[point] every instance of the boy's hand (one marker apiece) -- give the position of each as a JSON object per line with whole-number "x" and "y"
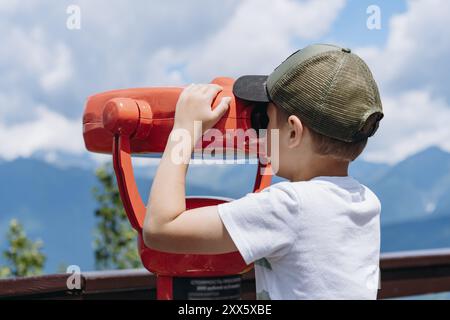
{"x": 194, "y": 104}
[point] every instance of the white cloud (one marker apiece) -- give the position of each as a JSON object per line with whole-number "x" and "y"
{"x": 8, "y": 5}
{"x": 417, "y": 49}
{"x": 118, "y": 45}
{"x": 173, "y": 42}
{"x": 18, "y": 5}
{"x": 412, "y": 72}
{"x": 413, "y": 121}
{"x": 34, "y": 59}
{"x": 12, "y": 101}
{"x": 259, "y": 35}
{"x": 161, "y": 68}
{"x": 59, "y": 71}
{"x": 48, "y": 71}
{"x": 48, "y": 131}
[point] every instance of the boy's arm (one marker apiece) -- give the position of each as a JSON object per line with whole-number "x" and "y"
{"x": 168, "y": 226}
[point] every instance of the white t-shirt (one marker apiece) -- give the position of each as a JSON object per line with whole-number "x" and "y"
{"x": 317, "y": 239}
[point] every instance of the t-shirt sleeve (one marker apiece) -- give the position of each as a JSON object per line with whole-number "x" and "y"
{"x": 264, "y": 224}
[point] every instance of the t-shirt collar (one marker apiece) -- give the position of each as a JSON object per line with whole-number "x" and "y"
{"x": 339, "y": 180}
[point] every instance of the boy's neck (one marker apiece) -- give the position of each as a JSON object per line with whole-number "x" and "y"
{"x": 320, "y": 166}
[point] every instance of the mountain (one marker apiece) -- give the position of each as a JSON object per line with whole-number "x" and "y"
{"x": 415, "y": 200}
{"x": 415, "y": 188}
{"x": 367, "y": 172}
{"x": 431, "y": 232}
{"x": 56, "y": 204}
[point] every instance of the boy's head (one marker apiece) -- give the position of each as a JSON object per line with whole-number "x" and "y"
{"x": 324, "y": 101}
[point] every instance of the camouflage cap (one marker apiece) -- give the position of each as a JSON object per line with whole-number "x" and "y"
{"x": 329, "y": 88}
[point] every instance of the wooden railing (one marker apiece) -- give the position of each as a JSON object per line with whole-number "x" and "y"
{"x": 402, "y": 274}
{"x": 414, "y": 273}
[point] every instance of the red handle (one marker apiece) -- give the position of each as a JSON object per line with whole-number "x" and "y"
{"x": 131, "y": 199}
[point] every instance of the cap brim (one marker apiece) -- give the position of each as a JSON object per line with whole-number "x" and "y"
{"x": 251, "y": 88}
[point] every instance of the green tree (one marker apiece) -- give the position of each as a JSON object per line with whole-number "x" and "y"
{"x": 23, "y": 256}
{"x": 115, "y": 243}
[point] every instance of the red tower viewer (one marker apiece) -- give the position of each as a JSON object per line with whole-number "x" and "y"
{"x": 138, "y": 121}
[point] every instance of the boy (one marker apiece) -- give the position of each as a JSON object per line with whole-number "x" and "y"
{"x": 314, "y": 237}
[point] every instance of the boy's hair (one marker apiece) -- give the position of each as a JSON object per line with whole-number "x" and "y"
{"x": 327, "y": 146}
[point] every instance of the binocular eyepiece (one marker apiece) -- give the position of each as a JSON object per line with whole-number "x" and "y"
{"x": 259, "y": 118}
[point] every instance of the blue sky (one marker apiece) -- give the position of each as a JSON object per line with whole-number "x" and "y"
{"x": 48, "y": 70}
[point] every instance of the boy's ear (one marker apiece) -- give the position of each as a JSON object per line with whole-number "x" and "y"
{"x": 295, "y": 131}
